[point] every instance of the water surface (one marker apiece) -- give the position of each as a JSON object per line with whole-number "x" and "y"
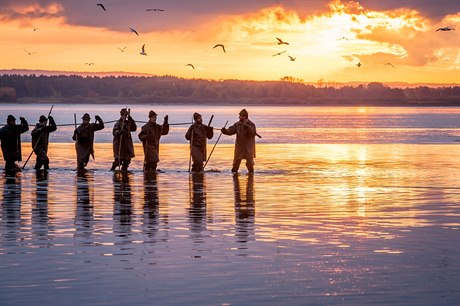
{"x": 317, "y": 224}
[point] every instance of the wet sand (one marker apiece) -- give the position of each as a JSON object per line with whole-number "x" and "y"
{"x": 316, "y": 224}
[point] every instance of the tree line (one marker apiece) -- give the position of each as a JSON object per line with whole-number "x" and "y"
{"x": 174, "y": 90}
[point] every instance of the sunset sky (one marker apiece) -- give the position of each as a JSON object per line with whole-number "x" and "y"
{"x": 327, "y": 38}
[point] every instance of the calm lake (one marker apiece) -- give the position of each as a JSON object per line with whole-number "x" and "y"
{"x": 348, "y": 206}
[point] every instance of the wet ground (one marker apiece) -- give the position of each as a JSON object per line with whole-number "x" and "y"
{"x": 315, "y": 225}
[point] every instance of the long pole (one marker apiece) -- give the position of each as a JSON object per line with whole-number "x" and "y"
{"x": 38, "y": 140}
{"x": 209, "y": 157}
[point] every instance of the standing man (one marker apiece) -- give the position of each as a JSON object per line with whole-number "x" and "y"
{"x": 123, "y": 148}
{"x": 245, "y": 144}
{"x": 197, "y": 134}
{"x": 10, "y": 136}
{"x": 40, "y": 140}
{"x": 84, "y": 139}
{"x": 150, "y": 136}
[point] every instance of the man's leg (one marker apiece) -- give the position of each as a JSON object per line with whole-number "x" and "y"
{"x": 236, "y": 165}
{"x": 250, "y": 164}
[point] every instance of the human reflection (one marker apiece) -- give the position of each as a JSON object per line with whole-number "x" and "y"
{"x": 11, "y": 207}
{"x": 151, "y": 204}
{"x": 197, "y": 209}
{"x": 84, "y": 214}
{"x": 244, "y": 209}
{"x": 40, "y": 219}
{"x": 122, "y": 210}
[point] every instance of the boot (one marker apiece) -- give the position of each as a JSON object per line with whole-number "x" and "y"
{"x": 114, "y": 166}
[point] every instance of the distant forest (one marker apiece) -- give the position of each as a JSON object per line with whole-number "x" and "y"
{"x": 174, "y": 90}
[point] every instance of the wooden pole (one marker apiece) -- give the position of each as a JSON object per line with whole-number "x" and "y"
{"x": 209, "y": 157}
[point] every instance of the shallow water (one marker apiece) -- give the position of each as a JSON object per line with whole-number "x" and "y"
{"x": 325, "y": 125}
{"x": 317, "y": 224}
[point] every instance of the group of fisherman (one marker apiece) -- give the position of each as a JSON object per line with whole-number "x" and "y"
{"x": 123, "y": 148}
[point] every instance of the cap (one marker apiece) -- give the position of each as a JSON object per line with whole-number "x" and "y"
{"x": 10, "y": 118}
{"x": 152, "y": 114}
{"x": 196, "y": 116}
{"x": 42, "y": 118}
{"x": 123, "y": 111}
{"x": 86, "y": 116}
{"x": 244, "y": 112}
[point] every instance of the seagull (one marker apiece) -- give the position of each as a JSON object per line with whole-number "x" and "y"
{"x": 134, "y": 31}
{"x": 122, "y": 50}
{"x": 89, "y": 64}
{"x": 155, "y": 10}
{"x": 279, "y": 53}
{"x": 101, "y": 5}
{"x": 445, "y": 29}
{"x": 219, "y": 45}
{"x": 292, "y": 59}
{"x": 190, "y": 66}
{"x": 343, "y": 38}
{"x": 143, "y": 50}
{"x": 30, "y": 53}
{"x": 389, "y": 64}
{"x": 35, "y": 29}
{"x": 359, "y": 64}
{"x": 281, "y": 42}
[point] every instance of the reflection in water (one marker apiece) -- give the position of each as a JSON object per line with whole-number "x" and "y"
{"x": 197, "y": 210}
{"x": 244, "y": 209}
{"x": 151, "y": 204}
{"x": 84, "y": 213}
{"x": 40, "y": 219}
{"x": 11, "y": 207}
{"x": 122, "y": 211}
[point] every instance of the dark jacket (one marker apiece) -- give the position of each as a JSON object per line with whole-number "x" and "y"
{"x": 245, "y": 144}
{"x": 150, "y": 136}
{"x": 198, "y": 135}
{"x": 123, "y": 147}
{"x": 84, "y": 139}
{"x": 10, "y": 136}
{"x": 40, "y": 135}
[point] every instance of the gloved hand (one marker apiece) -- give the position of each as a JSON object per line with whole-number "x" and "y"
{"x": 22, "y": 119}
{"x": 98, "y": 118}
{"x": 222, "y": 130}
{"x": 51, "y": 120}
{"x": 166, "y": 119}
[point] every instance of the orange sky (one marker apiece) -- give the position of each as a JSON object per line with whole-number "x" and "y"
{"x": 327, "y": 44}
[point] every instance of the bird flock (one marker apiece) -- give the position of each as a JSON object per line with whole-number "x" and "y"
{"x": 279, "y": 41}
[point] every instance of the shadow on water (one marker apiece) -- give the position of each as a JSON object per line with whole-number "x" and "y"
{"x": 122, "y": 210}
{"x": 84, "y": 213}
{"x": 197, "y": 209}
{"x": 11, "y": 206}
{"x": 151, "y": 205}
{"x": 244, "y": 209}
{"x": 40, "y": 218}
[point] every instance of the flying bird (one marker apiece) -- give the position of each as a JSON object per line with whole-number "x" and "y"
{"x": 389, "y": 64}
{"x": 101, "y": 5}
{"x": 292, "y": 59}
{"x": 89, "y": 64}
{"x": 445, "y": 29}
{"x": 281, "y": 42}
{"x": 122, "y": 50}
{"x": 219, "y": 45}
{"x": 134, "y": 31}
{"x": 155, "y": 10}
{"x": 143, "y": 50}
{"x": 30, "y": 53}
{"x": 279, "y": 53}
{"x": 343, "y": 38}
{"x": 359, "y": 64}
{"x": 35, "y": 29}
{"x": 190, "y": 66}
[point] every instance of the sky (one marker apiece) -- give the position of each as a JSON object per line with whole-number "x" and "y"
{"x": 338, "y": 40}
